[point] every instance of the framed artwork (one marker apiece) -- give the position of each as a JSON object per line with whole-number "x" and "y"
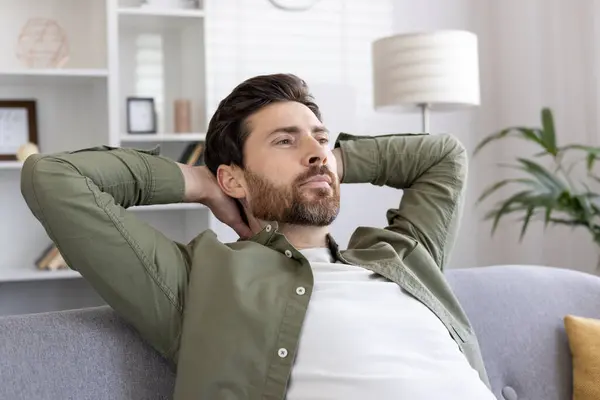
{"x": 18, "y": 126}
{"x": 141, "y": 115}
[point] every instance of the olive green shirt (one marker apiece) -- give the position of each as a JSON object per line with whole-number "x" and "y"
{"x": 228, "y": 315}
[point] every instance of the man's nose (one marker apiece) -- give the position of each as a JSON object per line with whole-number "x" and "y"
{"x": 316, "y": 153}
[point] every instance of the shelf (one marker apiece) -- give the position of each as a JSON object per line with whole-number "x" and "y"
{"x": 169, "y": 207}
{"x": 16, "y": 165}
{"x": 158, "y": 18}
{"x": 164, "y": 137}
{"x": 50, "y": 76}
{"x": 23, "y": 274}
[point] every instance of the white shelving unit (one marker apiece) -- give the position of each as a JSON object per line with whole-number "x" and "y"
{"x": 156, "y": 18}
{"x": 164, "y": 137}
{"x": 20, "y": 274}
{"x": 50, "y": 76}
{"x": 8, "y": 165}
{"x": 117, "y": 50}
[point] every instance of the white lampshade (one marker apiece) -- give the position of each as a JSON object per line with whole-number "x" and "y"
{"x": 439, "y": 69}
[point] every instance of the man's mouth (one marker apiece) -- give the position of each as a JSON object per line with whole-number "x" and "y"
{"x": 318, "y": 181}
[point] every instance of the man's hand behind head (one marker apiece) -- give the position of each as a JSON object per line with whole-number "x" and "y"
{"x": 201, "y": 187}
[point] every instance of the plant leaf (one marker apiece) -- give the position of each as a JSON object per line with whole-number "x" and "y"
{"x": 548, "y": 132}
{"x": 526, "y": 222}
{"x": 547, "y": 216}
{"x": 583, "y": 207}
{"x": 571, "y": 166}
{"x": 589, "y": 161}
{"x": 496, "y": 186}
{"x": 523, "y": 201}
{"x": 593, "y": 153}
{"x": 544, "y": 176}
{"x": 594, "y": 177}
{"x": 505, "y": 207}
{"x": 531, "y": 134}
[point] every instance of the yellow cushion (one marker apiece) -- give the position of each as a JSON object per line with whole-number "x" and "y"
{"x": 584, "y": 341}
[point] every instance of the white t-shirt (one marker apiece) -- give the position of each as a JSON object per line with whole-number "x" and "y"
{"x": 365, "y": 338}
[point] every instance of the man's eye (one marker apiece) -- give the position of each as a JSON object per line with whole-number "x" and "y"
{"x": 284, "y": 141}
{"x": 324, "y": 140}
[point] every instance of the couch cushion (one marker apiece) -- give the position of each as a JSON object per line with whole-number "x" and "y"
{"x": 86, "y": 354}
{"x": 584, "y": 341}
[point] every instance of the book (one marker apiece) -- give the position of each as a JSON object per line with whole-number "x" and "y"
{"x": 193, "y": 154}
{"x": 50, "y": 259}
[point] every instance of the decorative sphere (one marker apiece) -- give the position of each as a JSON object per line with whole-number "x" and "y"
{"x": 26, "y": 150}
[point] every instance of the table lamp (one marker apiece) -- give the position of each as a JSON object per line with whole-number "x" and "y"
{"x": 426, "y": 71}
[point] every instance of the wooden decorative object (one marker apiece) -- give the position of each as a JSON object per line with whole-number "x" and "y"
{"x": 18, "y": 127}
{"x": 183, "y": 116}
{"x": 50, "y": 259}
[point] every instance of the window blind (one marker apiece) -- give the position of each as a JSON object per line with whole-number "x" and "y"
{"x": 149, "y": 71}
{"x": 330, "y": 43}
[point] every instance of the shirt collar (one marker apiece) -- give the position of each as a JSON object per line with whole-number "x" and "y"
{"x": 265, "y": 236}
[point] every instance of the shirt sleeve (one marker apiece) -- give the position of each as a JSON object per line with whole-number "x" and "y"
{"x": 430, "y": 169}
{"x": 81, "y": 198}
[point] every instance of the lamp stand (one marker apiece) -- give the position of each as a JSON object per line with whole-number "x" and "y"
{"x": 425, "y": 108}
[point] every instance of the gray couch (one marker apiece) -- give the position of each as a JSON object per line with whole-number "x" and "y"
{"x": 517, "y": 312}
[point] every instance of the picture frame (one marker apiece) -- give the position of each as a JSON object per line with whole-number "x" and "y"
{"x": 141, "y": 115}
{"x": 18, "y": 126}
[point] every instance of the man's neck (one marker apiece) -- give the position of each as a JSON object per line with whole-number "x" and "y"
{"x": 305, "y": 237}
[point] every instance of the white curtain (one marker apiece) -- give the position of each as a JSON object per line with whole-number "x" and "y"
{"x": 536, "y": 53}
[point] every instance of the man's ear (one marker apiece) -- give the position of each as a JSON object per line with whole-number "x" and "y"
{"x": 230, "y": 179}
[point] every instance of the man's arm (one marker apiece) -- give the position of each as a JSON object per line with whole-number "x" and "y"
{"x": 431, "y": 170}
{"x": 79, "y": 197}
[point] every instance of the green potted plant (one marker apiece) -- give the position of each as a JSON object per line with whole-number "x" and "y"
{"x": 546, "y": 187}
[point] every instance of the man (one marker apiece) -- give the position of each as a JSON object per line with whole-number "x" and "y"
{"x": 282, "y": 312}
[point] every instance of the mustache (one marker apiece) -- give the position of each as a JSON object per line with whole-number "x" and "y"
{"x": 316, "y": 171}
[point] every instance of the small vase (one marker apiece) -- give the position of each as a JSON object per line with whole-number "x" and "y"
{"x": 183, "y": 116}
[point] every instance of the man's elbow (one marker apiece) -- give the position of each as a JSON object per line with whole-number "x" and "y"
{"x": 29, "y": 177}
{"x": 457, "y": 157}
{"x": 454, "y": 146}
{"x": 40, "y": 177}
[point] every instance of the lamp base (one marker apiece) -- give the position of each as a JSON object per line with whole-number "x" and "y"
{"x": 425, "y": 109}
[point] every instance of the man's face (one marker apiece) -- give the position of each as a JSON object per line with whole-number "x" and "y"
{"x": 290, "y": 172}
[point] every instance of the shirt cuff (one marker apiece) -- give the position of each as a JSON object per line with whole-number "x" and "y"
{"x": 167, "y": 182}
{"x": 360, "y": 158}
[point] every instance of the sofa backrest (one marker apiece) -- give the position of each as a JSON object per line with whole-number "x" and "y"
{"x": 517, "y": 312}
{"x": 83, "y": 354}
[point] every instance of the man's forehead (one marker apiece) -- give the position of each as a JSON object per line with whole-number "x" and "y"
{"x": 285, "y": 117}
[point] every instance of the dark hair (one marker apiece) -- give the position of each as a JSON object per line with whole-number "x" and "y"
{"x": 227, "y": 130}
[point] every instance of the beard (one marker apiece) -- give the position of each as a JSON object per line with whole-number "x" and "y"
{"x": 294, "y": 204}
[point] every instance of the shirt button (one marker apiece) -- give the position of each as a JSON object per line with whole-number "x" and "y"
{"x": 282, "y": 353}
{"x": 300, "y": 290}
{"x": 268, "y": 228}
{"x": 288, "y": 254}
